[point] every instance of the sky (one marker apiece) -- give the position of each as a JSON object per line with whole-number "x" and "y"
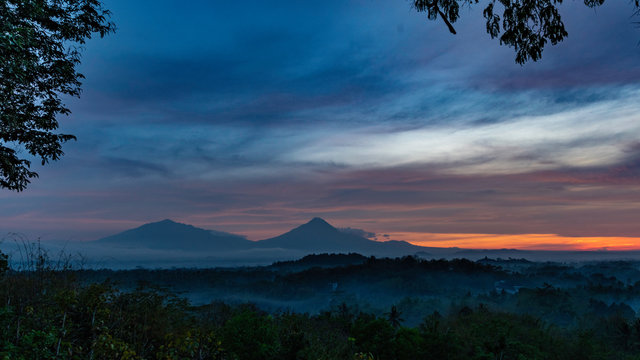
{"x": 253, "y": 117}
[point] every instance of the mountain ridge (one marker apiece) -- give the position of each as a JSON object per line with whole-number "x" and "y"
{"x": 170, "y": 235}
{"x": 314, "y": 236}
{"x": 319, "y": 236}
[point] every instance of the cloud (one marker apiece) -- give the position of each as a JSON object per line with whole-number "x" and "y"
{"x": 574, "y": 136}
{"x": 358, "y": 232}
{"x": 255, "y": 121}
{"x": 134, "y": 168}
{"x": 549, "y": 242}
{"x": 598, "y": 201}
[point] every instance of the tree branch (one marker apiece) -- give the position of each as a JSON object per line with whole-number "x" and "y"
{"x": 434, "y": 5}
{"x": 446, "y": 21}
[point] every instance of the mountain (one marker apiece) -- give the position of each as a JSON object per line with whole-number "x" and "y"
{"x": 170, "y": 235}
{"x": 318, "y": 236}
{"x": 177, "y": 244}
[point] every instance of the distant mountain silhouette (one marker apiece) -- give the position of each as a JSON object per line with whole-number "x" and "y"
{"x": 167, "y": 234}
{"x": 318, "y": 236}
{"x": 181, "y": 243}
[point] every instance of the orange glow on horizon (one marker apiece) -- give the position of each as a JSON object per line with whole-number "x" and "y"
{"x": 519, "y": 241}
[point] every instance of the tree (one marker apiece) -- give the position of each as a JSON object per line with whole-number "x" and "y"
{"x": 39, "y": 52}
{"x": 394, "y": 317}
{"x": 525, "y": 25}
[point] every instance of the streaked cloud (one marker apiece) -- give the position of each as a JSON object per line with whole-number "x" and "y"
{"x": 520, "y": 241}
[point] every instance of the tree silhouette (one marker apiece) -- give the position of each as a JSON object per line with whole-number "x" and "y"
{"x": 39, "y": 53}
{"x": 394, "y": 317}
{"x": 525, "y": 25}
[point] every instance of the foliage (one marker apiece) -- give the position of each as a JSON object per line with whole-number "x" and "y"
{"x": 525, "y": 25}
{"x": 48, "y": 312}
{"x": 39, "y": 53}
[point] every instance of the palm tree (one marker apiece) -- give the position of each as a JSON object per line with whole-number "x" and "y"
{"x": 394, "y": 317}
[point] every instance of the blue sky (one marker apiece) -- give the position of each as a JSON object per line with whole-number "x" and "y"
{"x": 253, "y": 117}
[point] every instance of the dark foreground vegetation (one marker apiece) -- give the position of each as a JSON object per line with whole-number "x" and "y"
{"x": 49, "y": 311}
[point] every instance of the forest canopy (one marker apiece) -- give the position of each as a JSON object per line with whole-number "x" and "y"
{"x": 39, "y": 55}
